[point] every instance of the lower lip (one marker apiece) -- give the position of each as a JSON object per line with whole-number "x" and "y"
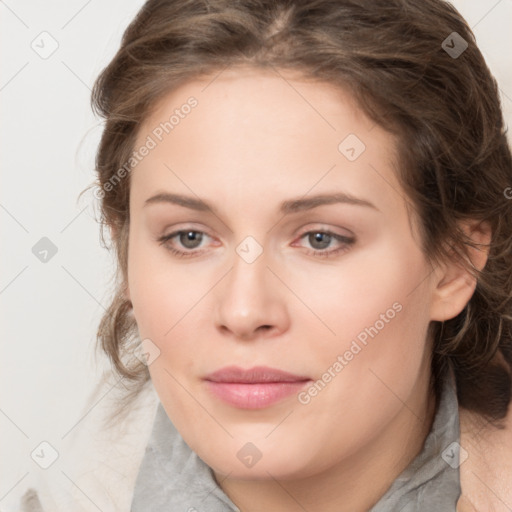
{"x": 254, "y": 396}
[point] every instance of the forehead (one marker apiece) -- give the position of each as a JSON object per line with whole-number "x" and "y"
{"x": 252, "y": 100}
{"x": 258, "y": 132}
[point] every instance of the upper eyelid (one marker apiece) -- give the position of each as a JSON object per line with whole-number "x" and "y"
{"x": 302, "y": 233}
{"x": 322, "y": 228}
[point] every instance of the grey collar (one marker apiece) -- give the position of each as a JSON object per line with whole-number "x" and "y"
{"x": 173, "y": 478}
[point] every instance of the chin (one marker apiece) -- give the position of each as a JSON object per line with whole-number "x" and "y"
{"x": 247, "y": 464}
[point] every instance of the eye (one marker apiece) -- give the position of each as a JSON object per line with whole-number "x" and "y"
{"x": 189, "y": 238}
{"x": 322, "y": 239}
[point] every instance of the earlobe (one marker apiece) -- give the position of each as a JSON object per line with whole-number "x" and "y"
{"x": 455, "y": 285}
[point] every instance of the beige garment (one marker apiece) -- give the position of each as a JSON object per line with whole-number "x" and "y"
{"x": 97, "y": 467}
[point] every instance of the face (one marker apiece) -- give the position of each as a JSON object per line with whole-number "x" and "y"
{"x": 304, "y": 260}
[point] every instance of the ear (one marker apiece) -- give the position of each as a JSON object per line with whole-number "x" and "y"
{"x": 455, "y": 285}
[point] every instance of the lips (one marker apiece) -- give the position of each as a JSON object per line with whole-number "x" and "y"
{"x": 254, "y": 388}
{"x": 258, "y": 374}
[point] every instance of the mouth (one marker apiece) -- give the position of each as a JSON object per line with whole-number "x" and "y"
{"x": 254, "y": 388}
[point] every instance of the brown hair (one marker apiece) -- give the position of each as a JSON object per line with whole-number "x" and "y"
{"x": 393, "y": 56}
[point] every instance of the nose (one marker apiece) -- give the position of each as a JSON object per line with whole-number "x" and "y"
{"x": 251, "y": 301}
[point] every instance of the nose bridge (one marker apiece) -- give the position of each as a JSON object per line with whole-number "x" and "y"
{"x": 249, "y": 298}
{"x": 248, "y": 280}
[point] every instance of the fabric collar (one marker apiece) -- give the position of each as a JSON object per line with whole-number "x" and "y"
{"x": 173, "y": 477}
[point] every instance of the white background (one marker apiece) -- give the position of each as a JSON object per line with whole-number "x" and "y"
{"x": 50, "y": 311}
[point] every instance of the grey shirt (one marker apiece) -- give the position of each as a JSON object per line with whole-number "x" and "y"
{"x": 172, "y": 478}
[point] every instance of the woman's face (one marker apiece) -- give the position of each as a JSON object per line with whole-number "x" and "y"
{"x": 279, "y": 271}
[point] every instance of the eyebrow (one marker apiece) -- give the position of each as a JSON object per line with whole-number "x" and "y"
{"x": 286, "y": 207}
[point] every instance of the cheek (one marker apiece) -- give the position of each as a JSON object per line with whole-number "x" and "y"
{"x": 161, "y": 291}
{"x": 378, "y": 288}
{"x": 378, "y": 312}
{"x": 375, "y": 316}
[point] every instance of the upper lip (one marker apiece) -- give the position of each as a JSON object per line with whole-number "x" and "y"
{"x": 256, "y": 374}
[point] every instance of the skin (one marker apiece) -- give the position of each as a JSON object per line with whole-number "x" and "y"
{"x": 255, "y": 139}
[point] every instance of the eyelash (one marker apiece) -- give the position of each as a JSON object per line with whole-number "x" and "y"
{"x": 346, "y": 241}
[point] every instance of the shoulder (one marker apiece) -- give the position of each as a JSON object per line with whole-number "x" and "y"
{"x": 486, "y": 468}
